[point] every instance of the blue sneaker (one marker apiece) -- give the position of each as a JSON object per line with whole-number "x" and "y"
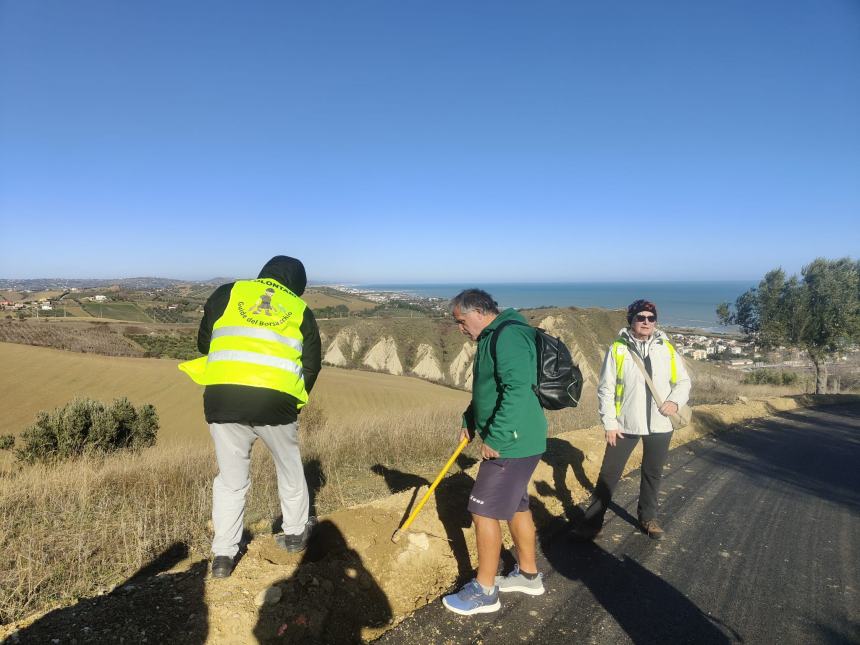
{"x": 471, "y": 599}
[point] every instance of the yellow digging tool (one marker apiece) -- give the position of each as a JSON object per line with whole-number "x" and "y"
{"x": 396, "y": 537}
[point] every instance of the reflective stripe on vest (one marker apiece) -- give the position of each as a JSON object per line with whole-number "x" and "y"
{"x": 257, "y": 341}
{"x": 617, "y": 346}
{"x": 620, "y": 344}
{"x": 264, "y": 334}
{"x": 257, "y": 359}
{"x": 673, "y": 367}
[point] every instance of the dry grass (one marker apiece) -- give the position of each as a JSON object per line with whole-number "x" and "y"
{"x": 92, "y": 338}
{"x": 39, "y": 378}
{"x": 715, "y": 384}
{"x": 61, "y": 541}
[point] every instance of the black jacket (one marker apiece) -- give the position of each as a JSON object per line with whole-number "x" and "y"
{"x": 258, "y": 405}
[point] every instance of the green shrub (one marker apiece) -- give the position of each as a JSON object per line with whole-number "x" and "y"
{"x": 87, "y": 426}
{"x": 7, "y": 441}
{"x": 181, "y": 346}
{"x": 770, "y": 377}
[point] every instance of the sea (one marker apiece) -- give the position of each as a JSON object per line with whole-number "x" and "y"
{"x": 679, "y": 304}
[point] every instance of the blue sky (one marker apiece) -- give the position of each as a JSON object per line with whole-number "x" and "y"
{"x": 410, "y": 141}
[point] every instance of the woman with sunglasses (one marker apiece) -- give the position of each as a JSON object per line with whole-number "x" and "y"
{"x": 628, "y": 411}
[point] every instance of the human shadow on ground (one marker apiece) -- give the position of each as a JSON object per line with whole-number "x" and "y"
{"x": 315, "y": 477}
{"x": 815, "y": 455}
{"x": 399, "y": 481}
{"x": 329, "y": 599}
{"x": 560, "y": 456}
{"x": 452, "y": 500}
{"x": 646, "y": 607}
{"x": 451, "y": 497}
{"x": 151, "y": 606}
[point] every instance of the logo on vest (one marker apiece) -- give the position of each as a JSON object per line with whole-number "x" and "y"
{"x": 265, "y": 307}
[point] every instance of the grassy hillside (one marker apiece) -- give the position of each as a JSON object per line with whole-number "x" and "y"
{"x": 322, "y": 297}
{"x": 91, "y": 337}
{"x": 38, "y": 378}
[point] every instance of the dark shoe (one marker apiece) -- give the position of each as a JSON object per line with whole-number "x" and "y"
{"x": 297, "y": 543}
{"x": 222, "y": 566}
{"x": 584, "y": 533}
{"x": 651, "y": 529}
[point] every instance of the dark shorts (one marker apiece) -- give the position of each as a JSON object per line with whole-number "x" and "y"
{"x": 501, "y": 488}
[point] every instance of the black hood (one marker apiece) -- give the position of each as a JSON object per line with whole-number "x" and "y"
{"x": 290, "y": 272}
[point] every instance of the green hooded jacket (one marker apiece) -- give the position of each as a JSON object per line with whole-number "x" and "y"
{"x": 504, "y": 410}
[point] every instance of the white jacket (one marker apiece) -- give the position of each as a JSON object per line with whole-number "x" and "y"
{"x": 632, "y": 418}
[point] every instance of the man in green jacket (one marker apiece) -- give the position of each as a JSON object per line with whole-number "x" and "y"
{"x": 507, "y": 415}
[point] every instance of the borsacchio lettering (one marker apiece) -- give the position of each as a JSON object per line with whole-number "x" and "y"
{"x": 262, "y": 323}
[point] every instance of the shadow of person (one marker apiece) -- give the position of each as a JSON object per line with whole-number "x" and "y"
{"x": 329, "y": 599}
{"x": 315, "y": 477}
{"x": 128, "y": 612}
{"x": 451, "y": 497}
{"x": 560, "y": 456}
{"x": 645, "y": 606}
{"x": 398, "y": 481}
{"x": 452, "y": 500}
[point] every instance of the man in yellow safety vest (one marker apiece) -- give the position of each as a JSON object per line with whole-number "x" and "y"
{"x": 259, "y": 364}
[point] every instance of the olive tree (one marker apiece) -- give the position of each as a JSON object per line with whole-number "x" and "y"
{"x": 819, "y": 312}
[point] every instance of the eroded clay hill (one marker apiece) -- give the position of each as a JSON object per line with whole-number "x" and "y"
{"x": 434, "y": 349}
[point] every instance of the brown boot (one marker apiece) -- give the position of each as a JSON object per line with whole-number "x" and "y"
{"x": 652, "y": 529}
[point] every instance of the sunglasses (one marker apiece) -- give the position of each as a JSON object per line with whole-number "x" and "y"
{"x": 641, "y": 318}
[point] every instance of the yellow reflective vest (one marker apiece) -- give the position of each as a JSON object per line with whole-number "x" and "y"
{"x": 620, "y": 349}
{"x": 623, "y": 394}
{"x": 257, "y": 341}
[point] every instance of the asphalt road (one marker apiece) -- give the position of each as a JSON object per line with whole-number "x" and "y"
{"x": 762, "y": 546}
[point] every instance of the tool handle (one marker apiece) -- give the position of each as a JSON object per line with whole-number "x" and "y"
{"x": 433, "y": 486}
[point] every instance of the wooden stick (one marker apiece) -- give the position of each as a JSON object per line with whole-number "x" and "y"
{"x": 396, "y": 537}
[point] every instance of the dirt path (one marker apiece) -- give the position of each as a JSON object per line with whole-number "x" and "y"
{"x": 353, "y": 583}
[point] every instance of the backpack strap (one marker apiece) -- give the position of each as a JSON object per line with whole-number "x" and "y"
{"x": 494, "y": 339}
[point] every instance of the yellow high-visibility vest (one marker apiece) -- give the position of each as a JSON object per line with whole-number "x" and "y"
{"x": 620, "y": 349}
{"x": 257, "y": 341}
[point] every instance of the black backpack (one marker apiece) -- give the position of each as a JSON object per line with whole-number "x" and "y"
{"x": 559, "y": 380}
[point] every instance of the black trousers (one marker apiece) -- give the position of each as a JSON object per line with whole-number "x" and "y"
{"x": 655, "y": 450}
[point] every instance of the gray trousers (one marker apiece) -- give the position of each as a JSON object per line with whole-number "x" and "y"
{"x": 233, "y": 443}
{"x": 655, "y": 450}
